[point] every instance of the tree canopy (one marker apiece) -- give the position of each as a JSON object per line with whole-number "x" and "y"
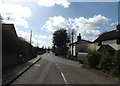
{"x": 60, "y": 40}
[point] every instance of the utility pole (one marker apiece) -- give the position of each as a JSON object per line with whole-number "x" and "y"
{"x": 31, "y": 37}
{"x": 72, "y": 43}
{"x": 118, "y": 12}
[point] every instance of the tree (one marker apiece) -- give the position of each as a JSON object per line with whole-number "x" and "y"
{"x": 1, "y": 19}
{"x": 60, "y": 41}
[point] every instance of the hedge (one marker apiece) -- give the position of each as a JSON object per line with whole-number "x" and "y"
{"x": 106, "y": 63}
{"x": 92, "y": 59}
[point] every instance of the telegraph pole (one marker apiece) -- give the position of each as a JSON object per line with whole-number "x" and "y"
{"x": 119, "y": 12}
{"x": 31, "y": 37}
{"x": 72, "y": 43}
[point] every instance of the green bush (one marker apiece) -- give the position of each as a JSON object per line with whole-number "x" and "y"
{"x": 106, "y": 63}
{"x": 114, "y": 71}
{"x": 116, "y": 64}
{"x": 92, "y": 59}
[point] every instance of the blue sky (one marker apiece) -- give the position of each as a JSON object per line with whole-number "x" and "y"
{"x": 88, "y": 18}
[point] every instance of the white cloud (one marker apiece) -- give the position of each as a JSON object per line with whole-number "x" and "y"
{"x": 49, "y": 3}
{"x": 40, "y": 43}
{"x": 32, "y": 1}
{"x": 88, "y": 27}
{"x": 17, "y": 14}
{"x": 54, "y": 23}
{"x": 41, "y": 37}
{"x": 93, "y": 0}
{"x": 112, "y": 24}
{"x": 36, "y": 39}
{"x": 24, "y": 35}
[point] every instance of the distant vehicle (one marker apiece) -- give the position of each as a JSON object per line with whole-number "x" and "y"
{"x": 81, "y": 57}
{"x": 48, "y": 51}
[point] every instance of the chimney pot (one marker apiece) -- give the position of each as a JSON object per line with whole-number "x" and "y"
{"x": 79, "y": 37}
{"x": 118, "y": 27}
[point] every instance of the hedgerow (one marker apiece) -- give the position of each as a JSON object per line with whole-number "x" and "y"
{"x": 92, "y": 59}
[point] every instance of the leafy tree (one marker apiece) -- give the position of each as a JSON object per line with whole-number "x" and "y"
{"x": 1, "y": 18}
{"x": 60, "y": 41}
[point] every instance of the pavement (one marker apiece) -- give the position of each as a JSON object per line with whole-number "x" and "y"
{"x": 11, "y": 74}
{"x": 52, "y": 69}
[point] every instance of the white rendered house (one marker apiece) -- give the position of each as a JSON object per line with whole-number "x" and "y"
{"x": 108, "y": 42}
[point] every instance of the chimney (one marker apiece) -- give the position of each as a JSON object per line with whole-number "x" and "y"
{"x": 79, "y": 37}
{"x": 118, "y": 27}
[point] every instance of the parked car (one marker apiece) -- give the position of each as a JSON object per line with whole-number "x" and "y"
{"x": 81, "y": 57}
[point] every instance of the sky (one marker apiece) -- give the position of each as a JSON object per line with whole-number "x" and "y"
{"x": 43, "y": 17}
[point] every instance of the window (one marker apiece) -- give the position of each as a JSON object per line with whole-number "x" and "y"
{"x": 99, "y": 43}
{"x": 118, "y": 41}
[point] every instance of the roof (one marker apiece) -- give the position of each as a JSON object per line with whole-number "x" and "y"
{"x": 9, "y": 27}
{"x": 108, "y": 36}
{"x": 107, "y": 47}
{"x": 81, "y": 42}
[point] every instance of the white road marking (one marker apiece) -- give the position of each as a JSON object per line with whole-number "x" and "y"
{"x": 61, "y": 73}
{"x": 64, "y": 78}
{"x": 38, "y": 65}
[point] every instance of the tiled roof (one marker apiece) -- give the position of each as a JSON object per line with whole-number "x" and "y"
{"x": 81, "y": 42}
{"x": 108, "y": 36}
{"x": 9, "y": 27}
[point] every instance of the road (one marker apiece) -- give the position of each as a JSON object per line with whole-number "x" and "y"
{"x": 56, "y": 70}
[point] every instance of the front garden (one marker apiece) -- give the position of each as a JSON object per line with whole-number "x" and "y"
{"x": 106, "y": 63}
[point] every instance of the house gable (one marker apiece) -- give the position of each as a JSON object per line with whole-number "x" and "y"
{"x": 111, "y": 38}
{"x": 106, "y": 49}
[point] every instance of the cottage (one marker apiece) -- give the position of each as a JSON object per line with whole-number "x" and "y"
{"x": 108, "y": 42}
{"x": 80, "y": 46}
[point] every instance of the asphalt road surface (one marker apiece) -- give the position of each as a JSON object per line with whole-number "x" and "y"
{"x": 52, "y": 69}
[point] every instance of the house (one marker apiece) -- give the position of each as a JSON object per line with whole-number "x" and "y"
{"x": 108, "y": 42}
{"x": 9, "y": 36}
{"x": 80, "y": 46}
{"x": 9, "y": 28}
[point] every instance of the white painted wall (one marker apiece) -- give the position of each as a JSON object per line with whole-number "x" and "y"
{"x": 74, "y": 50}
{"x": 96, "y": 46}
{"x": 71, "y": 49}
{"x": 112, "y": 43}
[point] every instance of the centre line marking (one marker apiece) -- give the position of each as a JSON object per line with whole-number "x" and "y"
{"x": 64, "y": 78}
{"x": 61, "y": 74}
